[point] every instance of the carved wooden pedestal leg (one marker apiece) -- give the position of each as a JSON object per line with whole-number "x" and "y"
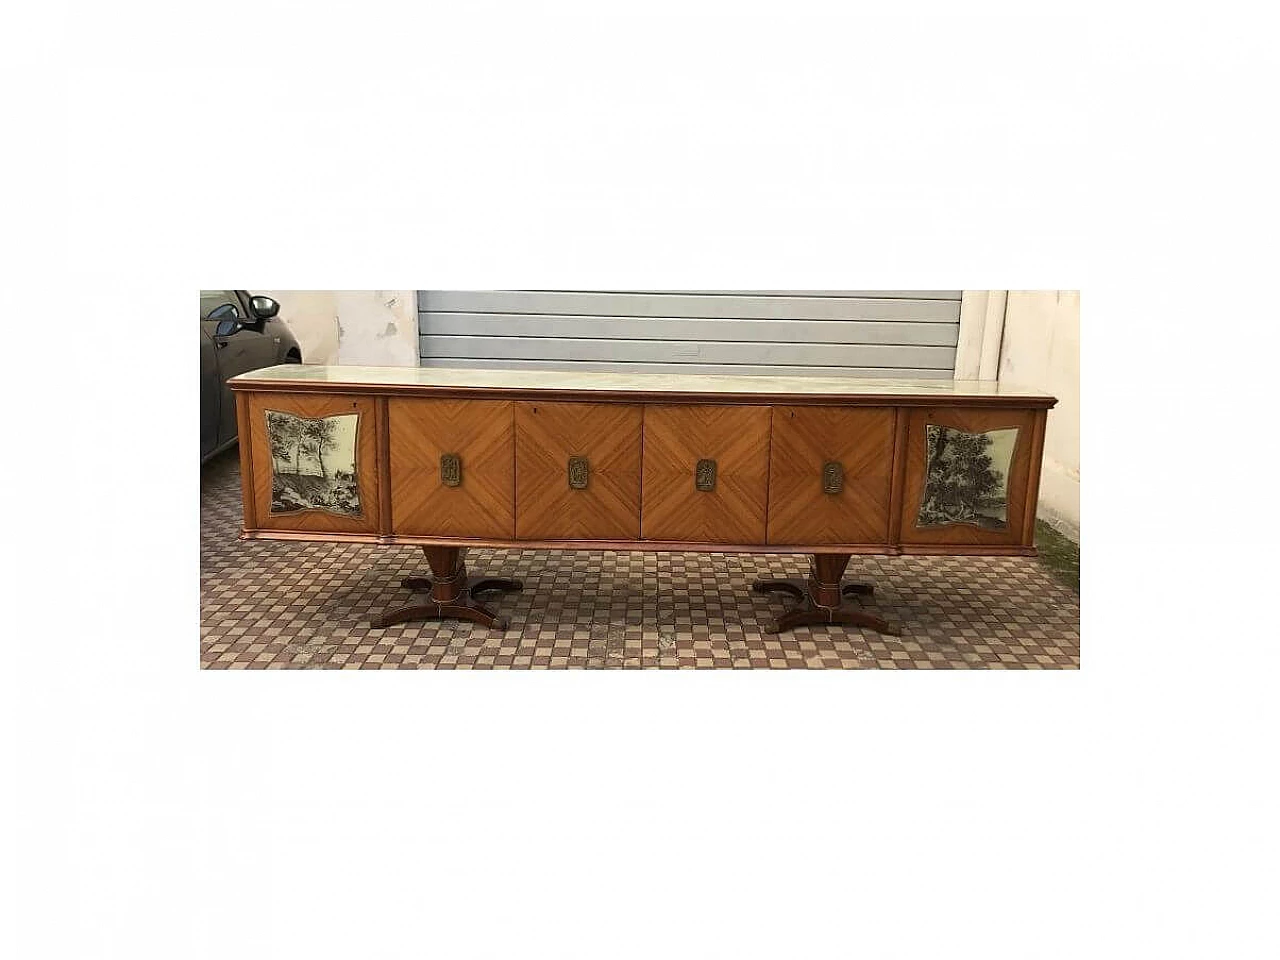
{"x": 450, "y": 592}
{"x": 822, "y": 597}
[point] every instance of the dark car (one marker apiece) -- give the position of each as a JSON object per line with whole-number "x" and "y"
{"x": 238, "y": 333}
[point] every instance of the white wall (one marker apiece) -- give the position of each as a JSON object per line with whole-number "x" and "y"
{"x": 1040, "y": 347}
{"x": 373, "y": 327}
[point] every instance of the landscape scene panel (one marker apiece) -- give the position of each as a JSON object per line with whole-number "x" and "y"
{"x": 967, "y": 477}
{"x": 313, "y": 463}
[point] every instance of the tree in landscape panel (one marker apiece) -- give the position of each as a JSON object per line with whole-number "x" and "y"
{"x": 320, "y": 439}
{"x": 308, "y": 448}
{"x": 962, "y": 482}
{"x": 297, "y": 443}
{"x": 284, "y": 432}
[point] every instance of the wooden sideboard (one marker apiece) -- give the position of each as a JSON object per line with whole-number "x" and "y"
{"x": 447, "y": 459}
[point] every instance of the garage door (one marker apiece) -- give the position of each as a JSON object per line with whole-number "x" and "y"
{"x": 863, "y": 333}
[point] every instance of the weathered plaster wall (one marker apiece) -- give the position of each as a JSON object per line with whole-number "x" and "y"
{"x": 1040, "y": 348}
{"x": 375, "y": 327}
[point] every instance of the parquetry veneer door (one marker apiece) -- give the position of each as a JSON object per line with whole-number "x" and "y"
{"x": 830, "y": 475}
{"x": 706, "y": 473}
{"x": 577, "y": 471}
{"x": 452, "y": 467}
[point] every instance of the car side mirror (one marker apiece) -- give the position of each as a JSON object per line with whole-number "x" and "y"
{"x": 264, "y": 308}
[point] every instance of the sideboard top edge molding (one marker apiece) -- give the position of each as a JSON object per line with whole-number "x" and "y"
{"x": 586, "y": 385}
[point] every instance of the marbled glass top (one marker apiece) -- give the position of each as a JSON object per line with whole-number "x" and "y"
{"x": 649, "y": 382}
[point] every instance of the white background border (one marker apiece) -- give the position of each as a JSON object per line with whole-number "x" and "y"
{"x": 1124, "y": 810}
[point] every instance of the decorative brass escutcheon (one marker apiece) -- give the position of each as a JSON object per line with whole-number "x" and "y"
{"x": 832, "y": 476}
{"x": 579, "y": 471}
{"x": 451, "y": 469}
{"x": 704, "y": 477}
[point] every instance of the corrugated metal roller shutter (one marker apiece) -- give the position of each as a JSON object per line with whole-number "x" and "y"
{"x": 864, "y": 333}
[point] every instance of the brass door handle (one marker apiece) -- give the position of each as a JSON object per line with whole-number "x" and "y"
{"x": 832, "y": 476}
{"x": 704, "y": 476}
{"x": 451, "y": 469}
{"x": 579, "y": 472}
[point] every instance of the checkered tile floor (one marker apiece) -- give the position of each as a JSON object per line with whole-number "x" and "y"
{"x": 307, "y": 606}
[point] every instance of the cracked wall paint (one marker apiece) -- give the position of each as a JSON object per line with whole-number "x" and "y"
{"x": 374, "y": 327}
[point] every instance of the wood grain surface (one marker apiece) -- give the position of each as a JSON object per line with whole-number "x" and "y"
{"x": 642, "y": 456}
{"x": 804, "y": 438}
{"x": 676, "y": 437}
{"x": 480, "y": 433}
{"x": 608, "y": 436}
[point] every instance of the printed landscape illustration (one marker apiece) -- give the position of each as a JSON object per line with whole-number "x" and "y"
{"x": 313, "y": 463}
{"x": 967, "y": 477}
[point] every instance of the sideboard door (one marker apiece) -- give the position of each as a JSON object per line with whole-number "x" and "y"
{"x": 313, "y": 462}
{"x": 830, "y": 475}
{"x": 452, "y": 468}
{"x": 577, "y": 471}
{"x": 706, "y": 473}
{"x": 970, "y": 477}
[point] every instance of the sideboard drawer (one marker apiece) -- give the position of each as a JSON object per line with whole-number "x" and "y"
{"x": 830, "y": 475}
{"x": 577, "y": 471}
{"x": 452, "y": 468}
{"x": 706, "y": 473}
{"x": 968, "y": 476}
{"x": 314, "y": 463}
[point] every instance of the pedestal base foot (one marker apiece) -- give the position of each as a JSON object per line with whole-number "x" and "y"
{"x": 807, "y": 615}
{"x": 474, "y": 585}
{"x": 475, "y": 612}
{"x": 821, "y": 597}
{"x": 451, "y": 593}
{"x": 798, "y": 587}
